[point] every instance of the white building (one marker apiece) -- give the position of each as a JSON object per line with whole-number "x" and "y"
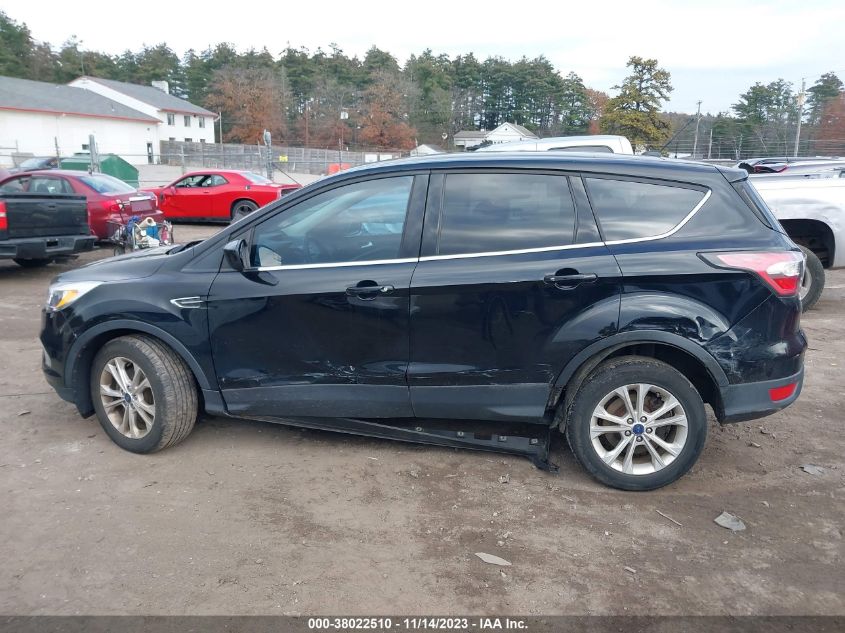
{"x": 180, "y": 120}
{"x": 505, "y": 133}
{"x": 44, "y": 119}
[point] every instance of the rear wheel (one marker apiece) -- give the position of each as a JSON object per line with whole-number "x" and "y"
{"x": 242, "y": 208}
{"x": 32, "y": 263}
{"x": 636, "y": 424}
{"x": 812, "y": 283}
{"x": 143, "y": 393}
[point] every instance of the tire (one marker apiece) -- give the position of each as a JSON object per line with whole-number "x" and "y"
{"x": 664, "y": 380}
{"x": 242, "y": 208}
{"x": 812, "y": 283}
{"x": 32, "y": 263}
{"x": 171, "y": 391}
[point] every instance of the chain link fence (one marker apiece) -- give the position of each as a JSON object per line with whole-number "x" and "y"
{"x": 257, "y": 158}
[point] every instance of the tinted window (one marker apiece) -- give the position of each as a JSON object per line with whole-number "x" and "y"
{"x": 505, "y": 212}
{"x": 15, "y": 185}
{"x": 214, "y": 180}
{"x": 256, "y": 178}
{"x": 40, "y": 184}
{"x": 191, "y": 181}
{"x": 102, "y": 183}
{"x": 628, "y": 209}
{"x": 353, "y": 223}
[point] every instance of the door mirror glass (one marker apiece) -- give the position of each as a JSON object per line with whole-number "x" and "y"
{"x": 237, "y": 254}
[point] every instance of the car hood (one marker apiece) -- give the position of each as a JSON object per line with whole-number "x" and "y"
{"x": 135, "y": 265}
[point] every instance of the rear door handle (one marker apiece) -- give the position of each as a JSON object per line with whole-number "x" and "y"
{"x": 570, "y": 281}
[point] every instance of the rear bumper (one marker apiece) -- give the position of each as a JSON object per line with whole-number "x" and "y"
{"x": 45, "y": 247}
{"x": 754, "y": 399}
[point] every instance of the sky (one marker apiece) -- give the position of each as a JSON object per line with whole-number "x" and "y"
{"x": 715, "y": 50}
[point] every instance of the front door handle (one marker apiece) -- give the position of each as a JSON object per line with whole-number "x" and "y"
{"x": 368, "y": 290}
{"x": 565, "y": 282}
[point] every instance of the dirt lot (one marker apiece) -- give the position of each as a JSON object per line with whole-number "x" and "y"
{"x": 248, "y": 518}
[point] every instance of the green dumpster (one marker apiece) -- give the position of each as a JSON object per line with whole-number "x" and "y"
{"x": 110, "y": 164}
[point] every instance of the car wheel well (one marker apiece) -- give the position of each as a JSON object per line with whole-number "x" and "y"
{"x": 239, "y": 200}
{"x": 691, "y": 367}
{"x": 815, "y": 235}
{"x": 85, "y": 359}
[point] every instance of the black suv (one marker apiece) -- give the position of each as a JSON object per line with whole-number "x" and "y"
{"x": 448, "y": 298}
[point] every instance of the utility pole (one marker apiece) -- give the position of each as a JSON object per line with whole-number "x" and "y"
{"x": 800, "y": 100}
{"x": 710, "y": 142}
{"x": 697, "y": 121}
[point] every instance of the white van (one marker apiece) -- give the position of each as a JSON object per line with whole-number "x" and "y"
{"x": 604, "y": 143}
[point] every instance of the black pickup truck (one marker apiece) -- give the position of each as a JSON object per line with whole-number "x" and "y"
{"x": 36, "y": 229}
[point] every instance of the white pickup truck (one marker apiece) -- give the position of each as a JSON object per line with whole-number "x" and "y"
{"x": 812, "y": 211}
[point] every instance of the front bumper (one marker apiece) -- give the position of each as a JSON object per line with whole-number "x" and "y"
{"x": 45, "y": 247}
{"x": 753, "y": 400}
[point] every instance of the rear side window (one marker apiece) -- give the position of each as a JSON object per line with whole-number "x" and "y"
{"x": 628, "y": 209}
{"x": 484, "y": 213}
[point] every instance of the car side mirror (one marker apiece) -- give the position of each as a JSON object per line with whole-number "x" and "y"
{"x": 237, "y": 254}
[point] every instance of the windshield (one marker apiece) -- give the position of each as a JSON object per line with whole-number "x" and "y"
{"x": 257, "y": 179}
{"x": 106, "y": 184}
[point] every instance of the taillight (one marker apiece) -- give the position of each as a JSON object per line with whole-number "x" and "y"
{"x": 113, "y": 206}
{"x": 781, "y": 270}
{"x": 4, "y": 221}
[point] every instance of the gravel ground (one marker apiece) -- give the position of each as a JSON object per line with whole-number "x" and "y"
{"x": 251, "y": 518}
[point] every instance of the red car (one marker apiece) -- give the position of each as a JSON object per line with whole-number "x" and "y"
{"x": 109, "y": 199}
{"x": 218, "y": 194}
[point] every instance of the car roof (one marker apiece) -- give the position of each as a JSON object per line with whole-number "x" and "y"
{"x": 600, "y": 163}
{"x": 56, "y": 172}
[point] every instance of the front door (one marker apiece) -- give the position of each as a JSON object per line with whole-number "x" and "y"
{"x": 511, "y": 284}
{"x": 320, "y": 328}
{"x": 187, "y": 198}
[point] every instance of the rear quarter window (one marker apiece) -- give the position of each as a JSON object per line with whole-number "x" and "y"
{"x": 628, "y": 209}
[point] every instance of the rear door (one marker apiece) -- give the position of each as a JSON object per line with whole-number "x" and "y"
{"x": 512, "y": 283}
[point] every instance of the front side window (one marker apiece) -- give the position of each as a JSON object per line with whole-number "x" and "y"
{"x": 484, "y": 213}
{"x": 627, "y": 209}
{"x": 191, "y": 181}
{"x": 359, "y": 222}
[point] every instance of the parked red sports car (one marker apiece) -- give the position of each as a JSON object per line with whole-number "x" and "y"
{"x": 109, "y": 199}
{"x": 217, "y": 194}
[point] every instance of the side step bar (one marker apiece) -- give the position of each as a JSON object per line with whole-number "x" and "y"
{"x": 535, "y": 448}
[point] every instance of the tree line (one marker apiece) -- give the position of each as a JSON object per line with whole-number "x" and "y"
{"x": 330, "y": 99}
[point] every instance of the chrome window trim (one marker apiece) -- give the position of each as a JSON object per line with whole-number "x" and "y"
{"x": 373, "y": 262}
{"x": 522, "y": 251}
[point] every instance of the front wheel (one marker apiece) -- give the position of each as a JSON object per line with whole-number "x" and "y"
{"x": 812, "y": 283}
{"x": 143, "y": 393}
{"x": 636, "y": 424}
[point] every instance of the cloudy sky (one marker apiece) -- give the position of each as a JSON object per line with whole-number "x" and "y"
{"x": 714, "y": 49}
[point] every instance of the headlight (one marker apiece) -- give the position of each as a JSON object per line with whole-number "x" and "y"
{"x": 62, "y": 295}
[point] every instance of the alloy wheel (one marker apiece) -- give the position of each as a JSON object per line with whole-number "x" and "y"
{"x": 127, "y": 397}
{"x": 638, "y": 429}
